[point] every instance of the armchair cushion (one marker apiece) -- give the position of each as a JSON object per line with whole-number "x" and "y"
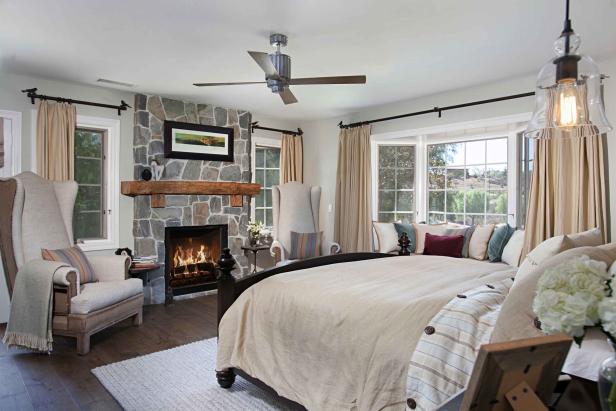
{"x": 95, "y": 296}
{"x": 305, "y": 245}
{"x": 110, "y": 267}
{"x": 74, "y": 257}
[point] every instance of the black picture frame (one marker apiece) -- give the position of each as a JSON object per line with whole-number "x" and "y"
{"x": 168, "y": 133}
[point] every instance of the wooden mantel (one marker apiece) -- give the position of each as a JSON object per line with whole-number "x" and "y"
{"x": 158, "y": 190}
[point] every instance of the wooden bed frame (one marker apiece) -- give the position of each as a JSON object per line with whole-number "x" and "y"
{"x": 230, "y": 288}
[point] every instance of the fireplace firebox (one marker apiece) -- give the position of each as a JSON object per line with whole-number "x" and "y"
{"x": 191, "y": 253}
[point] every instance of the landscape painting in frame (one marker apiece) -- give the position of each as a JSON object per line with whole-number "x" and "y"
{"x": 198, "y": 142}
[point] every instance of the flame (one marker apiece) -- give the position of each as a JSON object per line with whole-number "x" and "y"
{"x": 189, "y": 258}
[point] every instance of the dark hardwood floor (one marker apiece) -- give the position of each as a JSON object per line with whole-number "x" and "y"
{"x": 63, "y": 381}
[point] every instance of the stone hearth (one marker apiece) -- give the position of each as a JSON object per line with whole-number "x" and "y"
{"x": 186, "y": 210}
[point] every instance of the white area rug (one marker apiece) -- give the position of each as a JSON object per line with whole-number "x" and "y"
{"x": 182, "y": 378}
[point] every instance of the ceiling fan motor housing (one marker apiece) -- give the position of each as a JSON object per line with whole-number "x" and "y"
{"x": 282, "y": 62}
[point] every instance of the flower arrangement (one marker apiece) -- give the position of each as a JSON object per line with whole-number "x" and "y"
{"x": 574, "y": 295}
{"x": 254, "y": 231}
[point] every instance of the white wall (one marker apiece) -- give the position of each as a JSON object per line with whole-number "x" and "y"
{"x": 321, "y": 142}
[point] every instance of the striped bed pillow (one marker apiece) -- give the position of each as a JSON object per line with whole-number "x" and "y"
{"x": 305, "y": 245}
{"x": 75, "y": 258}
{"x": 443, "y": 360}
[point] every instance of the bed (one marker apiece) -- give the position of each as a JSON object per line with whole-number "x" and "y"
{"x": 337, "y": 332}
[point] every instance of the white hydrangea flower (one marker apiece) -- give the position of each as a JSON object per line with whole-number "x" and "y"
{"x": 568, "y": 296}
{"x": 607, "y": 314}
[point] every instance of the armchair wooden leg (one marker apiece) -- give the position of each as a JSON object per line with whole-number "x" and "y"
{"x": 138, "y": 318}
{"x": 83, "y": 344}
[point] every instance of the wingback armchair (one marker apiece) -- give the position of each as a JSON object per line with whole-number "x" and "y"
{"x": 36, "y": 213}
{"x": 295, "y": 208}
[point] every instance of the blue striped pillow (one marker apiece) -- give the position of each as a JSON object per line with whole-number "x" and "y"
{"x": 75, "y": 258}
{"x": 305, "y": 245}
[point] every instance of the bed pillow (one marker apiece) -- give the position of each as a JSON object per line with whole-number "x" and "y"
{"x": 498, "y": 241}
{"x": 305, "y": 245}
{"x": 74, "y": 257}
{"x": 420, "y": 234}
{"x": 410, "y": 232}
{"x": 478, "y": 246}
{"x": 513, "y": 249}
{"x": 387, "y": 237}
{"x": 516, "y": 318}
{"x": 592, "y": 237}
{"x": 445, "y": 245}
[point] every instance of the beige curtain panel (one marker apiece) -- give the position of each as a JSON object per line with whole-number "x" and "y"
{"x": 1, "y": 142}
{"x": 352, "y": 228}
{"x": 291, "y": 159}
{"x": 568, "y": 188}
{"x": 55, "y": 140}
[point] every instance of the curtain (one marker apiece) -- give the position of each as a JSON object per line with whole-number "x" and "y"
{"x": 352, "y": 228}
{"x": 291, "y": 159}
{"x": 568, "y": 187}
{"x": 55, "y": 140}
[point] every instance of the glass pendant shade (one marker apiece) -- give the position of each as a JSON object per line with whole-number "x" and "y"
{"x": 569, "y": 102}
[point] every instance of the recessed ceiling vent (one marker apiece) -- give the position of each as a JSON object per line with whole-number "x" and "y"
{"x": 115, "y": 83}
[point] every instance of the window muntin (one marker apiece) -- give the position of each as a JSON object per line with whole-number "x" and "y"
{"x": 267, "y": 173}
{"x": 90, "y": 214}
{"x": 396, "y": 183}
{"x": 467, "y": 182}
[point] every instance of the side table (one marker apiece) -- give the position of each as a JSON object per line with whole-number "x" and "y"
{"x": 142, "y": 272}
{"x": 255, "y": 250}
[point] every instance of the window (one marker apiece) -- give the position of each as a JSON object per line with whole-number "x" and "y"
{"x": 396, "y": 183}
{"x": 267, "y": 173}
{"x": 526, "y": 149}
{"x": 89, "y": 218}
{"x": 467, "y": 182}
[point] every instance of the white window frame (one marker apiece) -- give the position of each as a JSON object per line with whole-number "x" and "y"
{"x": 12, "y": 141}
{"x": 112, "y": 184}
{"x": 423, "y": 136}
{"x": 260, "y": 142}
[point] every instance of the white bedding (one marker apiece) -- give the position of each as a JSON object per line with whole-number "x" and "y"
{"x": 340, "y": 337}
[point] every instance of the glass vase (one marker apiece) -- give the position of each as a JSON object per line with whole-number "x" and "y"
{"x": 607, "y": 381}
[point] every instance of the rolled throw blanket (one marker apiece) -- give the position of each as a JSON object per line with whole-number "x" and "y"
{"x": 32, "y": 306}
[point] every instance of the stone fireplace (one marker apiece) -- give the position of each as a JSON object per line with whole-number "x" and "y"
{"x": 191, "y": 253}
{"x": 151, "y": 224}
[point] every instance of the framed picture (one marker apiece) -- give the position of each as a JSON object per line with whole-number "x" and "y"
{"x": 198, "y": 142}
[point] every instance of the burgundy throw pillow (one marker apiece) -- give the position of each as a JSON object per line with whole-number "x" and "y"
{"x": 445, "y": 245}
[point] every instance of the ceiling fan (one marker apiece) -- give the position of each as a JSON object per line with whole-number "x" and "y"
{"x": 277, "y": 68}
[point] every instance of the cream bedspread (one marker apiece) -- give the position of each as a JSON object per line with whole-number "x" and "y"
{"x": 340, "y": 337}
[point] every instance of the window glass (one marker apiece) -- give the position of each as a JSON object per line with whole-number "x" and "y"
{"x": 396, "y": 183}
{"x": 267, "y": 174}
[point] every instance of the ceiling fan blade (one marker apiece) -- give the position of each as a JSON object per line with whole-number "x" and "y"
{"x": 287, "y": 97}
{"x": 265, "y": 63}
{"x": 329, "y": 80}
{"x": 228, "y": 84}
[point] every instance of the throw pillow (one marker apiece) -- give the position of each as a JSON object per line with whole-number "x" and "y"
{"x": 75, "y": 258}
{"x": 410, "y": 232}
{"x": 516, "y": 317}
{"x": 498, "y": 241}
{"x": 478, "y": 246}
{"x": 445, "y": 245}
{"x": 386, "y": 236}
{"x": 305, "y": 245}
{"x": 420, "y": 234}
{"x": 592, "y": 237}
{"x": 513, "y": 249}
{"x": 462, "y": 230}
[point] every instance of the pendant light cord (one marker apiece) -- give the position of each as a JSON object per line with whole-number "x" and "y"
{"x": 567, "y": 30}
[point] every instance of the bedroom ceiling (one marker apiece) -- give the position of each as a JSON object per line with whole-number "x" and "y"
{"x": 407, "y": 48}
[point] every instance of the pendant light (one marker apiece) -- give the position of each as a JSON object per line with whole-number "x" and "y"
{"x": 569, "y": 101}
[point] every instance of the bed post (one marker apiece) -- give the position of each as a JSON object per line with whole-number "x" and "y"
{"x": 226, "y": 296}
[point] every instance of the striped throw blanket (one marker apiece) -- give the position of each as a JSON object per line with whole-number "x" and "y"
{"x": 443, "y": 361}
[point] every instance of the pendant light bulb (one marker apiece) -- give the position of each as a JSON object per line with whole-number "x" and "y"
{"x": 566, "y": 109}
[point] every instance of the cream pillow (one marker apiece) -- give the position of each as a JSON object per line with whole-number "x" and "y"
{"x": 516, "y": 318}
{"x": 387, "y": 237}
{"x": 513, "y": 249}
{"x": 478, "y": 246}
{"x": 587, "y": 238}
{"x": 547, "y": 249}
{"x": 422, "y": 229}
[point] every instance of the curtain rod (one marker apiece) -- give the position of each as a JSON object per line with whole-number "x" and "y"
{"x": 438, "y": 110}
{"x": 255, "y": 124}
{"x": 32, "y": 95}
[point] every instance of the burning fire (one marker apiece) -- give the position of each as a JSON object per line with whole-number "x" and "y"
{"x": 189, "y": 261}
